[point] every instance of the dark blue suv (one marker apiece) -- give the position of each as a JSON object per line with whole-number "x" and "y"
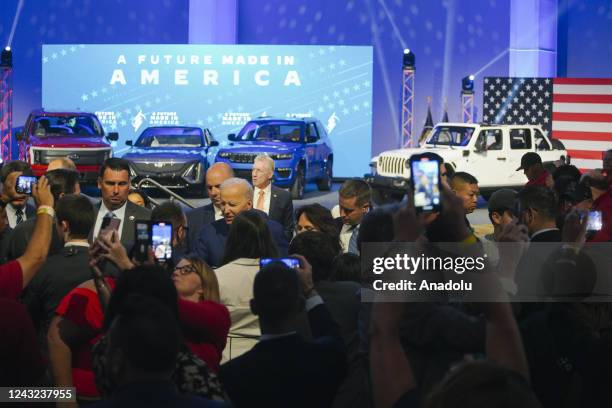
{"x": 300, "y": 148}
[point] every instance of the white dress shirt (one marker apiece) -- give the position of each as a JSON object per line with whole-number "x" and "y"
{"x": 345, "y": 236}
{"x": 119, "y": 213}
{"x": 12, "y": 217}
{"x": 218, "y": 213}
{"x": 267, "y": 196}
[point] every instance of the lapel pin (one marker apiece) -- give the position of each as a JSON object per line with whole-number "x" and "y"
{"x": 131, "y": 218}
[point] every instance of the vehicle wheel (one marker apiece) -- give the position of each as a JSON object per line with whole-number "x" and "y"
{"x": 325, "y": 183}
{"x": 297, "y": 190}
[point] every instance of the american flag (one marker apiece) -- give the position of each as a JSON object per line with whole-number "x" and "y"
{"x": 577, "y": 111}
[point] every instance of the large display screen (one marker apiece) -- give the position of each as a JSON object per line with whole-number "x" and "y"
{"x": 219, "y": 87}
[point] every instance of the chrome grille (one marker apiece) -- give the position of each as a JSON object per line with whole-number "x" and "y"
{"x": 392, "y": 165}
{"x": 242, "y": 157}
{"x": 159, "y": 167}
{"x": 79, "y": 157}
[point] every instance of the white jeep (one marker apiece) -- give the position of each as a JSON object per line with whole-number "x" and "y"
{"x": 491, "y": 153}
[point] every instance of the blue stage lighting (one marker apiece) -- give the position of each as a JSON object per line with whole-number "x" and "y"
{"x": 409, "y": 58}
{"x": 467, "y": 84}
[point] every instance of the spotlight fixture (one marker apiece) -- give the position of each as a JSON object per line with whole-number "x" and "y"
{"x": 467, "y": 84}
{"x": 6, "y": 59}
{"x": 409, "y": 58}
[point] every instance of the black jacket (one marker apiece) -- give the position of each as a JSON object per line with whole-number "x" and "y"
{"x": 288, "y": 371}
{"x": 281, "y": 210}
{"x": 197, "y": 218}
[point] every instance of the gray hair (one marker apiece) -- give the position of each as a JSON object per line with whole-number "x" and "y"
{"x": 235, "y": 181}
{"x": 265, "y": 158}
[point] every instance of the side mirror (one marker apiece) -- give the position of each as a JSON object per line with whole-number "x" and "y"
{"x": 19, "y": 135}
{"x": 129, "y": 143}
{"x": 113, "y": 136}
{"x": 311, "y": 139}
{"x": 214, "y": 143}
{"x": 231, "y": 137}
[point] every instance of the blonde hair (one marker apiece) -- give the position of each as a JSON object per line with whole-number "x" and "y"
{"x": 264, "y": 157}
{"x": 210, "y": 285}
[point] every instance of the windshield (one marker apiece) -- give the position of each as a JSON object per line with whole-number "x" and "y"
{"x": 451, "y": 136}
{"x": 170, "y": 137}
{"x": 84, "y": 125}
{"x": 272, "y": 131}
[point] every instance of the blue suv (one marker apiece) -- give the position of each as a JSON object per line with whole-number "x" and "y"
{"x": 300, "y": 148}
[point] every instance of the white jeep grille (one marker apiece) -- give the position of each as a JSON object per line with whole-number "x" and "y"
{"x": 390, "y": 165}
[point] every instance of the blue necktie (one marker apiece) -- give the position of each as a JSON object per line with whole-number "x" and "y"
{"x": 353, "y": 247}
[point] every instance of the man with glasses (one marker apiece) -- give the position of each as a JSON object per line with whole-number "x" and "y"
{"x": 354, "y": 199}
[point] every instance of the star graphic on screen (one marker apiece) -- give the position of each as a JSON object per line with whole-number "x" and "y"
{"x": 365, "y": 104}
{"x": 331, "y": 48}
{"x": 45, "y": 60}
{"x": 63, "y": 52}
{"x": 321, "y": 51}
{"x": 355, "y": 107}
{"x": 94, "y": 94}
{"x": 72, "y": 49}
{"x": 366, "y": 83}
{"x": 320, "y": 109}
{"x": 54, "y": 55}
{"x": 200, "y": 122}
{"x": 341, "y": 102}
{"x": 332, "y": 66}
{"x": 209, "y": 119}
{"x": 311, "y": 55}
{"x": 81, "y": 45}
{"x": 119, "y": 114}
{"x": 345, "y": 111}
{"x": 342, "y": 63}
{"x": 346, "y": 91}
{"x": 325, "y": 98}
{"x": 104, "y": 90}
{"x": 84, "y": 97}
{"x": 356, "y": 87}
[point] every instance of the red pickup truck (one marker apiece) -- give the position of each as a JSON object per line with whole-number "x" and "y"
{"x": 78, "y": 136}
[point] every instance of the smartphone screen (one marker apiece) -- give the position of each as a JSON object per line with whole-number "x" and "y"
{"x": 142, "y": 240}
{"x": 290, "y": 262}
{"x": 109, "y": 224}
{"x": 24, "y": 184}
{"x": 425, "y": 176}
{"x": 161, "y": 241}
{"x": 595, "y": 221}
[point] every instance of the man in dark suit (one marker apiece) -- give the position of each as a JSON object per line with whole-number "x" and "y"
{"x": 538, "y": 212}
{"x": 354, "y": 199}
{"x": 236, "y": 197}
{"x": 66, "y": 269}
{"x": 114, "y": 185}
{"x": 62, "y": 182}
{"x": 283, "y": 370}
{"x": 198, "y": 217}
{"x": 18, "y": 209}
{"x": 274, "y": 201}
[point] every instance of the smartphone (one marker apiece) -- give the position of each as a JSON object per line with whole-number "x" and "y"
{"x": 143, "y": 239}
{"x": 425, "y": 179}
{"x": 290, "y": 262}
{"x": 109, "y": 224}
{"x": 595, "y": 221}
{"x": 24, "y": 184}
{"x": 161, "y": 241}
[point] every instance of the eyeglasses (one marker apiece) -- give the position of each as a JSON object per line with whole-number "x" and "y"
{"x": 185, "y": 270}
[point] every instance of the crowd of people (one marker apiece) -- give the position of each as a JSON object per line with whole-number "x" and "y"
{"x": 213, "y": 327}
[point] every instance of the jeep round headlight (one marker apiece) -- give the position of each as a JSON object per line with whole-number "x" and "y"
{"x": 373, "y": 168}
{"x": 282, "y": 156}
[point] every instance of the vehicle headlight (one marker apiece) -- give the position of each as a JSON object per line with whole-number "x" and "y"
{"x": 374, "y": 167}
{"x": 282, "y": 156}
{"x": 224, "y": 155}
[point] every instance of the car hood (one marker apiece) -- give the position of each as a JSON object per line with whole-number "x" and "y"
{"x": 263, "y": 147}
{"x": 176, "y": 154}
{"x": 81, "y": 142}
{"x": 446, "y": 153}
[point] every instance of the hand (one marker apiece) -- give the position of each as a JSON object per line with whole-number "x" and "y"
{"x": 512, "y": 242}
{"x": 305, "y": 275}
{"x": 512, "y": 232}
{"x": 41, "y": 192}
{"x": 574, "y": 228}
{"x": 114, "y": 251}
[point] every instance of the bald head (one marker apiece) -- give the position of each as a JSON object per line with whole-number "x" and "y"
{"x": 465, "y": 186}
{"x": 215, "y": 176}
{"x": 236, "y": 196}
{"x": 61, "y": 163}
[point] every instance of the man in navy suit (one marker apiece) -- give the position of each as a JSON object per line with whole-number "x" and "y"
{"x": 283, "y": 370}
{"x": 236, "y": 197}
{"x": 18, "y": 209}
{"x": 199, "y": 217}
{"x": 274, "y": 201}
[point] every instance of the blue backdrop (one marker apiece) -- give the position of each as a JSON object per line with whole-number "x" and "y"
{"x": 220, "y": 87}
